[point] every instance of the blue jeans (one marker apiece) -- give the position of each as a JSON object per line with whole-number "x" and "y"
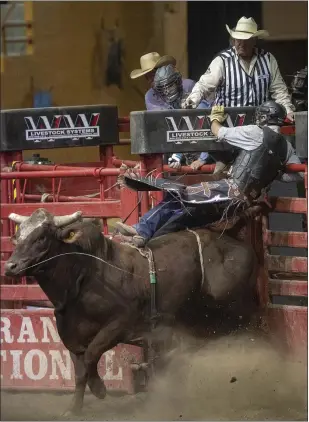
{"x": 154, "y": 219}
{"x": 171, "y": 216}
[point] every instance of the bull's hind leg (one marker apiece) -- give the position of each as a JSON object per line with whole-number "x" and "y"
{"x": 80, "y": 385}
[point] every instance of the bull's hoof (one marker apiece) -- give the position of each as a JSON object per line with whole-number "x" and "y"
{"x": 97, "y": 387}
{"x": 71, "y": 413}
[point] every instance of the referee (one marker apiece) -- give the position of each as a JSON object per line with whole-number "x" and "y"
{"x": 242, "y": 75}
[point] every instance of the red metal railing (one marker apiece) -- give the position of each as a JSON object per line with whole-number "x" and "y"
{"x": 103, "y": 177}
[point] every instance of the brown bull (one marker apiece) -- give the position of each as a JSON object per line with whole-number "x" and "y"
{"x": 101, "y": 291}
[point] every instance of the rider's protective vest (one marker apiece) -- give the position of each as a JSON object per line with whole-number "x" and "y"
{"x": 252, "y": 171}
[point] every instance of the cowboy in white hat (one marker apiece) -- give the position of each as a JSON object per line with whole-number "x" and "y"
{"x": 167, "y": 90}
{"x": 243, "y": 75}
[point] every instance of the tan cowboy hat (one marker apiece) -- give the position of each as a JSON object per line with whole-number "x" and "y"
{"x": 151, "y": 61}
{"x": 246, "y": 28}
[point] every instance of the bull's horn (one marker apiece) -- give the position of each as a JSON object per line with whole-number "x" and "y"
{"x": 65, "y": 220}
{"x": 18, "y": 219}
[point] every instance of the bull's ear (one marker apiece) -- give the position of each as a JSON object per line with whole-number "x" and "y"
{"x": 71, "y": 236}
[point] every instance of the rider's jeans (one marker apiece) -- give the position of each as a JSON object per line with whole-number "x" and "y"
{"x": 171, "y": 216}
{"x": 154, "y": 219}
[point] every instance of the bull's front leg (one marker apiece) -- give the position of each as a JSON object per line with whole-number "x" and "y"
{"x": 106, "y": 339}
{"x": 80, "y": 385}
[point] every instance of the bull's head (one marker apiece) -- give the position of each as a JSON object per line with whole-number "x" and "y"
{"x": 40, "y": 236}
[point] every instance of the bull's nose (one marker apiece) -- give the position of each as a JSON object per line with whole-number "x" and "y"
{"x": 9, "y": 267}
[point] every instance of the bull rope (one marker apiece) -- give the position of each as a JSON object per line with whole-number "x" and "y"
{"x": 79, "y": 253}
{"x": 146, "y": 252}
{"x": 199, "y": 243}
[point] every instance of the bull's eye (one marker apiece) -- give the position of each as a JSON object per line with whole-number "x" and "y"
{"x": 71, "y": 235}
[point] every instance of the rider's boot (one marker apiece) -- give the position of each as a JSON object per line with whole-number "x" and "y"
{"x": 139, "y": 241}
{"x": 125, "y": 229}
{"x": 134, "y": 237}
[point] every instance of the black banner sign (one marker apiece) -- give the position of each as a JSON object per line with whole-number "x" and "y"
{"x": 53, "y": 127}
{"x": 170, "y": 131}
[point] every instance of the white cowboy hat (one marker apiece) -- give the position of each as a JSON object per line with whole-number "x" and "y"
{"x": 246, "y": 28}
{"x": 151, "y": 61}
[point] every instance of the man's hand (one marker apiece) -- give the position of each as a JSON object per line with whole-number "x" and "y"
{"x": 290, "y": 117}
{"x": 126, "y": 171}
{"x": 197, "y": 164}
{"x": 217, "y": 113}
{"x": 189, "y": 103}
{"x": 174, "y": 162}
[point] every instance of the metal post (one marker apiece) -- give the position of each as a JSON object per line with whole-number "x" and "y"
{"x": 144, "y": 196}
{"x": 154, "y": 167}
{"x": 106, "y": 158}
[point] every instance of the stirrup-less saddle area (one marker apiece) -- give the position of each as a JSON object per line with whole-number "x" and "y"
{"x": 152, "y": 184}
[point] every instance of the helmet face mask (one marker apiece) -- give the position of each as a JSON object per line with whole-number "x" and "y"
{"x": 171, "y": 92}
{"x": 261, "y": 118}
{"x": 270, "y": 113}
{"x": 168, "y": 84}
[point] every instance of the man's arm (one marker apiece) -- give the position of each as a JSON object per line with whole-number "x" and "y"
{"x": 204, "y": 155}
{"x": 208, "y": 83}
{"x": 215, "y": 127}
{"x": 291, "y": 158}
{"x": 188, "y": 85}
{"x": 247, "y": 137}
{"x": 278, "y": 89}
{"x": 153, "y": 102}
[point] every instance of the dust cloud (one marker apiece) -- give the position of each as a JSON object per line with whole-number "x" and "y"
{"x": 236, "y": 377}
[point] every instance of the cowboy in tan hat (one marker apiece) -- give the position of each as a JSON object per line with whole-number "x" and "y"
{"x": 149, "y": 64}
{"x": 243, "y": 75}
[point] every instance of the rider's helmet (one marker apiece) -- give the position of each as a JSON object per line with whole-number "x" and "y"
{"x": 168, "y": 84}
{"x": 270, "y": 113}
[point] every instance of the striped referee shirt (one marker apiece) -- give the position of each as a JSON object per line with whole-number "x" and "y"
{"x": 231, "y": 80}
{"x": 240, "y": 89}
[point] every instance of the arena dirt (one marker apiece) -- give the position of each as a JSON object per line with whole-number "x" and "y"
{"x": 237, "y": 377}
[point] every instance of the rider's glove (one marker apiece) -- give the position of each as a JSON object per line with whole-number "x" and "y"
{"x": 197, "y": 164}
{"x": 174, "y": 161}
{"x": 217, "y": 113}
